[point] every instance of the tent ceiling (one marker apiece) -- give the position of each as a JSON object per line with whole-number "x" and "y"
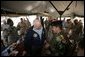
{"x": 41, "y": 6}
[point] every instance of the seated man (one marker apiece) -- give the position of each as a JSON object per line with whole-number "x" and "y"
{"x": 34, "y": 39}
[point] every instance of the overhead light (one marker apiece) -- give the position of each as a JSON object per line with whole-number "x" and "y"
{"x": 29, "y": 8}
{"x": 35, "y": 11}
{"x": 52, "y": 10}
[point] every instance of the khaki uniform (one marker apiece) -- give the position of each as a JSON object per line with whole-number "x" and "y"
{"x": 22, "y": 26}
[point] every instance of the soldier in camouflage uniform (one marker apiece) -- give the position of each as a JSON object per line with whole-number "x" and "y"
{"x": 59, "y": 44}
{"x": 12, "y": 32}
{"x": 76, "y": 31}
{"x": 68, "y": 25}
{"x": 22, "y": 27}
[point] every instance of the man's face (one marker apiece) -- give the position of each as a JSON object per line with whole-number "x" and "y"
{"x": 37, "y": 24}
{"x": 55, "y": 29}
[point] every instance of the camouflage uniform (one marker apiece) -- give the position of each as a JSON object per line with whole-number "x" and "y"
{"x": 77, "y": 32}
{"x": 58, "y": 48}
{"x": 13, "y": 35}
{"x": 69, "y": 27}
{"x": 22, "y": 26}
{"x": 59, "y": 45}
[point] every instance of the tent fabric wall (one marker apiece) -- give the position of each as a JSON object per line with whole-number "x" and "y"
{"x": 76, "y": 8}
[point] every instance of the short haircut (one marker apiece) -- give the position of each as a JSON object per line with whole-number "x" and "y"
{"x": 57, "y": 24}
{"x": 10, "y": 22}
{"x": 36, "y": 20}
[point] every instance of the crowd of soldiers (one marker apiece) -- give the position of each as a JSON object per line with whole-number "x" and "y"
{"x": 11, "y": 33}
{"x": 61, "y": 37}
{"x": 65, "y": 42}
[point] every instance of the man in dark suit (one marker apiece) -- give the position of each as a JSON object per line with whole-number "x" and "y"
{"x": 34, "y": 39}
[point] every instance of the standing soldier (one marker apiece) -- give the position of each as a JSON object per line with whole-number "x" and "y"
{"x": 59, "y": 44}
{"x": 22, "y": 27}
{"x": 5, "y": 28}
{"x": 81, "y": 27}
{"x": 77, "y": 29}
{"x": 69, "y": 25}
{"x": 28, "y": 23}
{"x": 48, "y": 28}
{"x": 12, "y": 32}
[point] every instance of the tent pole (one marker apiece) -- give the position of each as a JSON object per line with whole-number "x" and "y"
{"x": 54, "y": 7}
{"x": 60, "y": 17}
{"x": 68, "y": 6}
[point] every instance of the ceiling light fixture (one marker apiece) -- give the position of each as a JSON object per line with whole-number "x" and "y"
{"x": 29, "y": 8}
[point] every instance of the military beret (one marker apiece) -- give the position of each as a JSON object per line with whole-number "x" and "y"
{"x": 56, "y": 23}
